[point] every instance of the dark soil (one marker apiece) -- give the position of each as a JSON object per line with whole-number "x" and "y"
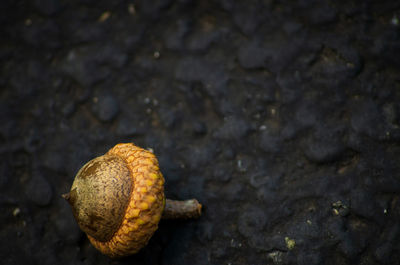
{"x": 281, "y": 117}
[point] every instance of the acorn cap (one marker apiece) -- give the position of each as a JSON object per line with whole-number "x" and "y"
{"x": 118, "y": 199}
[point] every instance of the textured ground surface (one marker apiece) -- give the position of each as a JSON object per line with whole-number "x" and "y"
{"x": 281, "y": 117}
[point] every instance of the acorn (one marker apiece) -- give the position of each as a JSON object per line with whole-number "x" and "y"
{"x": 118, "y": 200}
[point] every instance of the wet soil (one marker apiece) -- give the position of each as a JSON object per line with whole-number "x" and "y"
{"x": 281, "y": 117}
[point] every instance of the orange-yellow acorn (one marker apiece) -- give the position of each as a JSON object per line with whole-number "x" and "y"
{"x": 118, "y": 200}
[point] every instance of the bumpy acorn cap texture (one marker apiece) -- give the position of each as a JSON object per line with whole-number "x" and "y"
{"x": 118, "y": 199}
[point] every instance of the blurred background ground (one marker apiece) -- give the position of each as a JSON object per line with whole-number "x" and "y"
{"x": 281, "y": 117}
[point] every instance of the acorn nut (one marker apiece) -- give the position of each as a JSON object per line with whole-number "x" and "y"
{"x": 118, "y": 200}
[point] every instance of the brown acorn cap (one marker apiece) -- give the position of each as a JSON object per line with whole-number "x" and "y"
{"x": 118, "y": 199}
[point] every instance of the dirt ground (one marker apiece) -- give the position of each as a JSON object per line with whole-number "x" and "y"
{"x": 281, "y": 117}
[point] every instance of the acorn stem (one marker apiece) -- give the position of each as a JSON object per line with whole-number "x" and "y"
{"x": 181, "y": 209}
